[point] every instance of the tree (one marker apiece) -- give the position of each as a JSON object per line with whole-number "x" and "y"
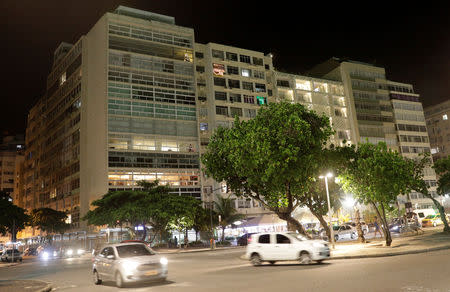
{"x": 12, "y": 218}
{"x": 270, "y": 158}
{"x": 224, "y": 208}
{"x": 49, "y": 220}
{"x": 204, "y": 220}
{"x": 376, "y": 176}
{"x": 442, "y": 168}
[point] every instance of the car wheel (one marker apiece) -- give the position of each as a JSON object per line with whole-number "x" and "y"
{"x": 305, "y": 258}
{"x": 272, "y": 262}
{"x": 319, "y": 261}
{"x": 96, "y": 277}
{"x": 336, "y": 237}
{"x": 256, "y": 260}
{"x": 353, "y": 236}
{"x": 119, "y": 280}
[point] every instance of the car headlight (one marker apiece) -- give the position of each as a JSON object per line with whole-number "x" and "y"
{"x": 395, "y": 227}
{"x": 55, "y": 254}
{"x": 80, "y": 251}
{"x": 163, "y": 261}
{"x": 45, "y": 255}
{"x": 69, "y": 252}
{"x": 130, "y": 265}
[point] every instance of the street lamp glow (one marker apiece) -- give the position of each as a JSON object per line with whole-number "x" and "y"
{"x": 349, "y": 202}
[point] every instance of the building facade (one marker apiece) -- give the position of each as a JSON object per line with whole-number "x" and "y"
{"x": 438, "y": 125}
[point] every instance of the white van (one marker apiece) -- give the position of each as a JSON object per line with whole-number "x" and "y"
{"x": 422, "y": 213}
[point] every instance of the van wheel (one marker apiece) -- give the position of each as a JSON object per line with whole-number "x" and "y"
{"x": 305, "y": 258}
{"x": 256, "y": 260}
{"x": 96, "y": 277}
{"x": 119, "y": 280}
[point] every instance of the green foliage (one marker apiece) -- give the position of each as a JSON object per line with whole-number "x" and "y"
{"x": 49, "y": 220}
{"x": 442, "y": 168}
{"x": 12, "y": 217}
{"x": 376, "y": 175}
{"x": 272, "y": 157}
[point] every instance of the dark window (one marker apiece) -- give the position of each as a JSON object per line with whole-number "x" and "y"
{"x": 265, "y": 238}
{"x": 231, "y": 56}
{"x": 219, "y": 81}
{"x": 244, "y": 59}
{"x": 217, "y": 54}
{"x": 200, "y": 69}
{"x": 283, "y": 83}
{"x": 233, "y": 70}
{"x": 199, "y": 55}
{"x": 234, "y": 83}
{"x": 222, "y": 110}
{"x": 220, "y": 95}
{"x": 283, "y": 239}
{"x": 258, "y": 61}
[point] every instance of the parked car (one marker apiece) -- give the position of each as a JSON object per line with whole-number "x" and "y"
{"x": 243, "y": 240}
{"x": 285, "y": 246}
{"x": 432, "y": 220}
{"x": 29, "y": 251}
{"x": 344, "y": 231}
{"x": 422, "y": 213}
{"x": 128, "y": 262}
{"x": 364, "y": 226}
{"x": 10, "y": 255}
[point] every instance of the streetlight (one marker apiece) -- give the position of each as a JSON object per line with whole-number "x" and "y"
{"x": 329, "y": 175}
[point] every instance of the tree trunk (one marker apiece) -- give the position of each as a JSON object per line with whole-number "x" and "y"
{"x": 324, "y": 224}
{"x": 387, "y": 233}
{"x": 223, "y": 233}
{"x": 441, "y": 212}
{"x": 361, "y": 237}
{"x": 293, "y": 223}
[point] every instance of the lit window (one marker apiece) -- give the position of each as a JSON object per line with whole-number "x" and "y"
{"x": 246, "y": 73}
{"x": 444, "y": 117}
{"x": 62, "y": 79}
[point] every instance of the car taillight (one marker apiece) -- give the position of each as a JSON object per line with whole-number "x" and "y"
{"x": 249, "y": 240}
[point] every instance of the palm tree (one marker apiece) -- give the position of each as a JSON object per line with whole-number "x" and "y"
{"x": 228, "y": 214}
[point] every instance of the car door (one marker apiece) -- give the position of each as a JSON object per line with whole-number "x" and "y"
{"x": 109, "y": 262}
{"x": 264, "y": 247}
{"x": 283, "y": 249}
{"x": 100, "y": 261}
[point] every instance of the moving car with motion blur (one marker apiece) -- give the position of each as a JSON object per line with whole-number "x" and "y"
{"x": 285, "y": 246}
{"x": 344, "y": 231}
{"x": 128, "y": 263}
{"x": 11, "y": 255}
{"x": 243, "y": 240}
{"x": 432, "y": 220}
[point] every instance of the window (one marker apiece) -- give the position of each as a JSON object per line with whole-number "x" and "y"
{"x": 247, "y": 85}
{"x": 244, "y": 59}
{"x": 232, "y": 70}
{"x": 200, "y": 69}
{"x": 231, "y": 56}
{"x": 62, "y": 80}
{"x": 246, "y": 72}
{"x": 218, "y": 69}
{"x": 258, "y": 61}
{"x": 234, "y": 83}
{"x": 260, "y": 87}
{"x": 283, "y": 83}
{"x": 249, "y": 113}
{"x": 283, "y": 239}
{"x": 261, "y": 100}
{"x": 258, "y": 74}
{"x": 445, "y": 117}
{"x": 219, "y": 81}
{"x": 249, "y": 99}
{"x": 235, "y": 111}
{"x": 264, "y": 238}
{"x": 222, "y": 110}
{"x": 203, "y": 126}
{"x": 199, "y": 55}
{"x": 219, "y": 95}
{"x": 234, "y": 97}
{"x": 217, "y": 54}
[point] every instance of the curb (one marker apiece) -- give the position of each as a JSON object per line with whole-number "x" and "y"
{"x": 47, "y": 288}
{"x": 390, "y": 254}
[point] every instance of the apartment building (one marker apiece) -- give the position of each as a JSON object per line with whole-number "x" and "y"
{"x": 383, "y": 110}
{"x": 230, "y": 82}
{"x": 11, "y": 157}
{"x": 321, "y": 95}
{"x": 412, "y": 135}
{"x": 438, "y": 124}
{"x": 119, "y": 108}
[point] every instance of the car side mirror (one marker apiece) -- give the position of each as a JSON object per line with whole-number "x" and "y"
{"x": 111, "y": 257}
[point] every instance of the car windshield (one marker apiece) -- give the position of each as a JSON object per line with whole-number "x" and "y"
{"x": 298, "y": 236}
{"x": 133, "y": 250}
{"x": 430, "y": 217}
{"x": 336, "y": 227}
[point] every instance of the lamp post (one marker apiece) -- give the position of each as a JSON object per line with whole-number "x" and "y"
{"x": 329, "y": 175}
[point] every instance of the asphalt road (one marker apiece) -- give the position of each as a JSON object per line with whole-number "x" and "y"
{"x": 225, "y": 271}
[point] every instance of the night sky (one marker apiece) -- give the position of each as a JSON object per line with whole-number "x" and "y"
{"x": 412, "y": 42}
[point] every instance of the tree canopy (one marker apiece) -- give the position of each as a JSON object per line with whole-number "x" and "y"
{"x": 270, "y": 158}
{"x": 49, "y": 220}
{"x": 12, "y": 218}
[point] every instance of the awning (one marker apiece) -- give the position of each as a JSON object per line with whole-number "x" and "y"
{"x": 266, "y": 219}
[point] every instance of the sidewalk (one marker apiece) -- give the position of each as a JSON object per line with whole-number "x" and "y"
{"x": 24, "y": 285}
{"x": 192, "y": 249}
{"x": 431, "y": 240}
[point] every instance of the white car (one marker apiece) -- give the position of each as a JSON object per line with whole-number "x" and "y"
{"x": 344, "y": 231}
{"x": 285, "y": 246}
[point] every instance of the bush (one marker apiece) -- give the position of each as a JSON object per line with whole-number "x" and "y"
{"x": 223, "y": 243}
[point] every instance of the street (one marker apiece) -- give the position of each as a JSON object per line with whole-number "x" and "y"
{"x": 225, "y": 271}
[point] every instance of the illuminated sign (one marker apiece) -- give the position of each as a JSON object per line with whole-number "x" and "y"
{"x": 218, "y": 69}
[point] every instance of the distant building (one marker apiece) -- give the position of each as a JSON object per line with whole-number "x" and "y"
{"x": 438, "y": 124}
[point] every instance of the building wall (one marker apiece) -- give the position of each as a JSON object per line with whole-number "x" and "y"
{"x": 438, "y": 125}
